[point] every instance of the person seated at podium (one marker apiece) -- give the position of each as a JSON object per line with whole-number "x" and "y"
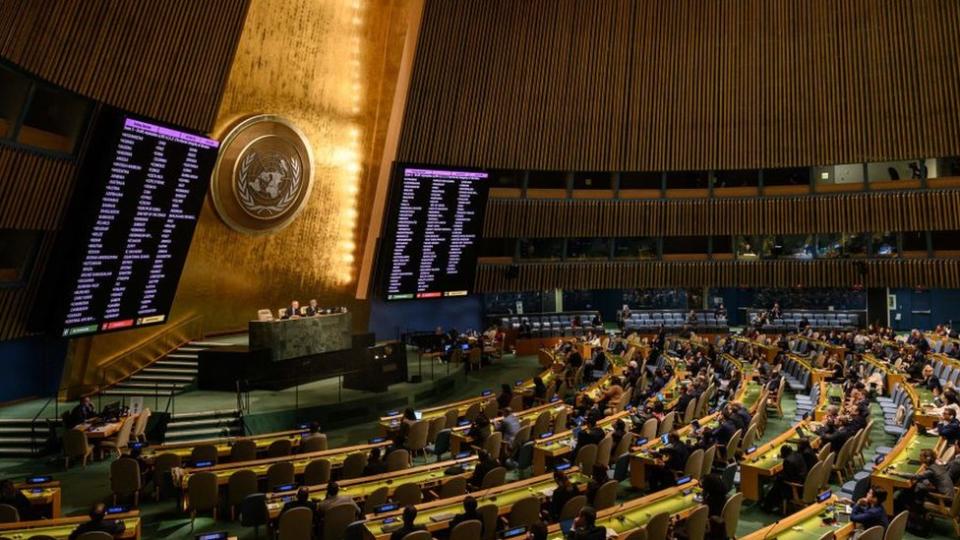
{"x": 83, "y": 412}
{"x": 97, "y": 523}
{"x": 312, "y": 310}
{"x": 292, "y": 312}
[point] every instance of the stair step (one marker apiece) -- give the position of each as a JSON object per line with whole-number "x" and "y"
{"x": 208, "y": 344}
{"x": 183, "y": 356}
{"x": 139, "y": 377}
{"x": 17, "y": 451}
{"x": 178, "y": 423}
{"x": 6, "y": 430}
{"x": 175, "y": 363}
{"x": 7, "y": 441}
{"x": 168, "y": 371}
{"x": 7, "y": 422}
{"x": 134, "y": 392}
{"x": 205, "y": 432}
{"x": 188, "y": 348}
{"x": 201, "y": 414}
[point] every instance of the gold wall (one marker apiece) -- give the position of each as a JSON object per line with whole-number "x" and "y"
{"x": 331, "y": 67}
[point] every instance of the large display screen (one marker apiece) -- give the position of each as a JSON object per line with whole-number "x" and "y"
{"x": 136, "y": 204}
{"x": 432, "y": 233}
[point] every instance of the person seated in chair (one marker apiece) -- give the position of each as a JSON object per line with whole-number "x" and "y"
{"x": 98, "y": 523}
{"x": 591, "y": 435}
{"x": 930, "y": 381}
{"x": 334, "y": 498}
{"x": 794, "y": 471}
{"x": 469, "y": 513}
{"x": 673, "y": 461}
{"x": 868, "y": 511}
{"x": 83, "y": 412}
{"x": 485, "y": 464}
{"x": 585, "y": 527}
{"x": 9, "y": 494}
{"x": 293, "y": 311}
{"x": 302, "y": 501}
{"x": 934, "y": 478}
{"x": 564, "y": 491}
{"x": 409, "y": 524}
{"x": 312, "y": 309}
{"x": 949, "y": 427}
{"x": 375, "y": 463}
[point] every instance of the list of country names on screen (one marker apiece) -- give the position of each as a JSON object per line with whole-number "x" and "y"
{"x": 436, "y": 231}
{"x": 142, "y": 228}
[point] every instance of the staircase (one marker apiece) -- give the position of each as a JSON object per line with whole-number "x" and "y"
{"x": 23, "y": 436}
{"x": 203, "y": 425}
{"x": 174, "y": 372}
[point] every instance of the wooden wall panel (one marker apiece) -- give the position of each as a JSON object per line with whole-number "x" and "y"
{"x": 167, "y": 59}
{"x": 33, "y": 189}
{"x": 685, "y": 84}
{"x": 942, "y": 273}
{"x": 851, "y": 212}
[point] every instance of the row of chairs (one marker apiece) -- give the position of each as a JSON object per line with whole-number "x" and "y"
{"x": 651, "y": 320}
{"x": 826, "y": 320}
{"x": 552, "y": 324}
{"x": 945, "y": 371}
{"x": 77, "y": 447}
{"x": 796, "y": 373}
{"x": 897, "y": 411}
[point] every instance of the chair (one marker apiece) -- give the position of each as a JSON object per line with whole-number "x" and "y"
{"x": 450, "y": 419}
{"x": 572, "y": 507}
{"x": 376, "y": 497}
{"x": 827, "y": 467}
{"x": 243, "y": 450}
{"x": 203, "y": 493}
{"x": 140, "y": 427}
{"x": 75, "y": 446}
{"x": 398, "y": 460}
{"x": 8, "y": 514}
{"x": 494, "y": 477}
{"x": 749, "y": 438}
{"x": 649, "y": 429}
{"x": 897, "y": 526}
{"x": 623, "y": 446}
{"x": 280, "y": 448}
{"x": 697, "y": 523}
{"x": 541, "y": 424}
{"x": 690, "y": 414}
{"x": 317, "y": 472}
{"x": 491, "y": 409}
{"x": 586, "y": 457}
{"x": 336, "y": 520}
{"x": 125, "y": 479}
{"x": 489, "y": 513}
{"x": 453, "y": 487}
{"x": 418, "y": 535}
{"x": 694, "y": 465}
{"x": 313, "y": 443}
{"x": 560, "y": 421}
{"x": 731, "y": 514}
{"x": 205, "y": 452}
{"x": 516, "y": 404}
{"x": 417, "y": 438}
{"x": 467, "y": 530}
{"x": 842, "y": 465}
{"x": 441, "y": 445}
{"x": 278, "y": 474}
{"x": 353, "y": 466}
{"x": 606, "y": 495}
{"x": 408, "y": 494}
{"x": 603, "y": 451}
{"x": 240, "y": 485}
{"x": 666, "y": 425}
{"x": 472, "y": 412}
{"x": 638, "y": 534}
{"x": 524, "y": 512}
{"x": 295, "y": 524}
{"x": 493, "y": 443}
{"x": 162, "y": 466}
{"x": 95, "y": 535}
{"x": 254, "y": 512}
{"x": 873, "y": 533}
{"x": 805, "y": 494}
{"x": 945, "y": 506}
{"x": 658, "y": 526}
{"x": 434, "y": 428}
{"x": 708, "y": 458}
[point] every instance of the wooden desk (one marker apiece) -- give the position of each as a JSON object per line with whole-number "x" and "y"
{"x": 428, "y": 476}
{"x": 45, "y": 498}
{"x": 807, "y": 524}
{"x": 436, "y": 515}
{"x": 224, "y": 445}
{"x": 563, "y": 443}
{"x": 903, "y": 459}
{"x": 61, "y": 528}
{"x": 459, "y": 439}
{"x": 96, "y": 431}
{"x": 765, "y": 461}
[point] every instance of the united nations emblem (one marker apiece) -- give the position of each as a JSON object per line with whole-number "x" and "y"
{"x": 263, "y": 175}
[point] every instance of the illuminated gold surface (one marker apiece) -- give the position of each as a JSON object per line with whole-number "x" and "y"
{"x": 331, "y": 68}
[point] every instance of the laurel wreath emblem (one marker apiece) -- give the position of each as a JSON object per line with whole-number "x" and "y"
{"x": 290, "y": 195}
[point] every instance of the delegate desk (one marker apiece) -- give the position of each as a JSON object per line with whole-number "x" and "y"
{"x": 646, "y": 454}
{"x": 97, "y": 429}
{"x": 336, "y": 456}
{"x": 61, "y": 528}
{"x": 891, "y": 375}
{"x": 765, "y": 461}
{"x": 830, "y": 394}
{"x": 902, "y": 461}
{"x": 45, "y": 498}
{"x": 769, "y": 351}
{"x": 436, "y": 515}
{"x": 224, "y": 445}
{"x": 620, "y": 521}
{"x": 553, "y": 446}
{"x": 812, "y": 523}
{"x": 459, "y": 438}
{"x": 427, "y": 476}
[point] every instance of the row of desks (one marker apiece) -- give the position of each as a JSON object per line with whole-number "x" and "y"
{"x": 903, "y": 460}
{"x": 60, "y": 528}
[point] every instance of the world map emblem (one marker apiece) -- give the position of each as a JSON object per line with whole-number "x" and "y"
{"x": 263, "y": 175}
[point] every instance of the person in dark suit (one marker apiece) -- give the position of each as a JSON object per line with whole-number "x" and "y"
{"x": 409, "y": 525}
{"x": 302, "y": 501}
{"x": 673, "y": 459}
{"x": 949, "y": 427}
{"x": 585, "y": 526}
{"x": 564, "y": 492}
{"x": 9, "y": 494}
{"x": 794, "y": 470}
{"x": 806, "y": 451}
{"x": 312, "y": 309}
{"x": 98, "y": 523}
{"x": 83, "y": 412}
{"x": 469, "y": 513}
{"x": 485, "y": 464}
{"x": 293, "y": 311}
{"x": 868, "y": 512}
{"x": 934, "y": 478}
{"x": 591, "y": 435}
{"x": 375, "y": 463}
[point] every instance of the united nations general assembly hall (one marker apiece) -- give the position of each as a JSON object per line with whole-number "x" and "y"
{"x": 479, "y": 269}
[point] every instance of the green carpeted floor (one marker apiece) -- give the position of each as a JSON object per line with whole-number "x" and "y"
{"x": 83, "y": 487}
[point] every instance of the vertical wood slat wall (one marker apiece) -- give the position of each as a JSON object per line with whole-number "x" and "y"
{"x": 684, "y": 84}
{"x": 823, "y": 273}
{"x": 854, "y": 213}
{"x": 166, "y": 59}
